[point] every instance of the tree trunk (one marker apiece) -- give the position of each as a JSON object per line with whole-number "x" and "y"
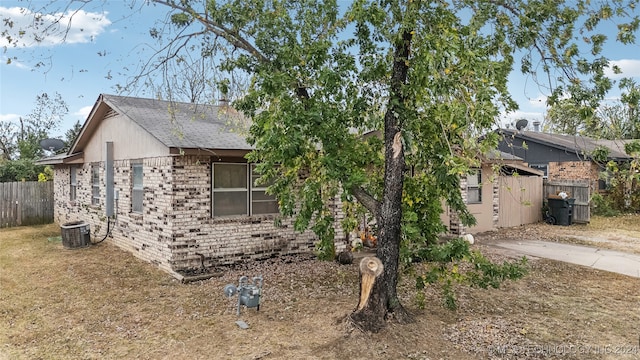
{"x": 384, "y": 302}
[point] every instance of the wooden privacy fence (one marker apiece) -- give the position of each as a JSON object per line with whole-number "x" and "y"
{"x": 578, "y": 190}
{"x": 26, "y": 203}
{"x": 520, "y": 200}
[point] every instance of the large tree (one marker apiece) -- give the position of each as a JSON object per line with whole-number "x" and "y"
{"x": 428, "y": 77}
{"x": 22, "y": 140}
{"x": 45, "y": 117}
{"x": 617, "y": 119}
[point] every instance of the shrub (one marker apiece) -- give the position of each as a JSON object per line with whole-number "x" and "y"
{"x": 602, "y": 206}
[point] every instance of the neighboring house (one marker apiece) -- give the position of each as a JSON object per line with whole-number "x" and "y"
{"x": 170, "y": 183}
{"x": 503, "y": 192}
{"x": 562, "y": 157}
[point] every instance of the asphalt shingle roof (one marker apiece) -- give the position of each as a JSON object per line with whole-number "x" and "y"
{"x": 185, "y": 125}
{"x": 581, "y": 144}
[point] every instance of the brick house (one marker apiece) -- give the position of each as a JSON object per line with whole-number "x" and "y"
{"x": 561, "y": 157}
{"x": 171, "y": 184}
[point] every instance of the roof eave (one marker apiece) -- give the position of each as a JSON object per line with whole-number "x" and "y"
{"x": 76, "y": 158}
{"x": 209, "y": 152}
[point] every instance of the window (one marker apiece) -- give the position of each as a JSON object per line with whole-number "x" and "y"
{"x": 261, "y": 202}
{"x": 474, "y": 187}
{"x": 95, "y": 185}
{"x": 230, "y": 190}
{"x": 235, "y": 191}
{"x": 73, "y": 182}
{"x": 137, "y": 189}
{"x": 541, "y": 167}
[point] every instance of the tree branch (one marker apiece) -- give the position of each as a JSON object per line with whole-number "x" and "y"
{"x": 368, "y": 201}
{"x": 231, "y": 36}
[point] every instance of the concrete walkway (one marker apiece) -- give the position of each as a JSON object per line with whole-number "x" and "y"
{"x": 601, "y": 259}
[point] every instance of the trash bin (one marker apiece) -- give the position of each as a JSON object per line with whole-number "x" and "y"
{"x": 562, "y": 210}
{"x": 75, "y": 235}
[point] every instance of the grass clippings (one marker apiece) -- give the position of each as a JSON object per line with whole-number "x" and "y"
{"x": 103, "y": 303}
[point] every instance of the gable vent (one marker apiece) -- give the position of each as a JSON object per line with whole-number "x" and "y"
{"x": 111, "y": 113}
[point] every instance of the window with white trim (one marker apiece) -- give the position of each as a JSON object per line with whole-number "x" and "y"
{"x": 73, "y": 183}
{"x": 137, "y": 188}
{"x": 474, "y": 187}
{"x": 235, "y": 192}
{"x": 95, "y": 184}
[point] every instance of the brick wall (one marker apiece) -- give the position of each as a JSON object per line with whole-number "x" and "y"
{"x": 146, "y": 235}
{"x": 222, "y": 240}
{"x": 575, "y": 170}
{"x": 175, "y": 230}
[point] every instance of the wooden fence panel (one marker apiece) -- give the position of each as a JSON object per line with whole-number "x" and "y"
{"x": 520, "y": 200}
{"x": 579, "y": 190}
{"x": 26, "y": 203}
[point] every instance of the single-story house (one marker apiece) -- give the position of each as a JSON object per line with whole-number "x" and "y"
{"x": 504, "y": 192}
{"x": 169, "y": 182}
{"x": 562, "y": 157}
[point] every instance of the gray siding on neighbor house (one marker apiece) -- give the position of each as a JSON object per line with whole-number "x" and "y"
{"x": 176, "y": 227}
{"x": 536, "y": 153}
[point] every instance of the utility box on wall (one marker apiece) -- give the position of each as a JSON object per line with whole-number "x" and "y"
{"x": 75, "y": 235}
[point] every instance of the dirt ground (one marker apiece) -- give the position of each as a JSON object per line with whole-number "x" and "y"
{"x": 102, "y": 303}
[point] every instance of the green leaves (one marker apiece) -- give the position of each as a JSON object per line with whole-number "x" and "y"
{"x": 181, "y": 19}
{"x": 600, "y": 154}
{"x": 324, "y": 75}
{"x": 453, "y": 263}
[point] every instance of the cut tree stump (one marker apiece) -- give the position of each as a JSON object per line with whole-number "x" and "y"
{"x": 370, "y": 269}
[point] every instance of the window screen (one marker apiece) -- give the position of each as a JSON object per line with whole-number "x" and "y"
{"x": 95, "y": 185}
{"x": 73, "y": 183}
{"x": 137, "y": 189}
{"x": 230, "y": 190}
{"x": 474, "y": 187}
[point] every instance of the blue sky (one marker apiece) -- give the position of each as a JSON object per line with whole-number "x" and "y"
{"x": 108, "y": 40}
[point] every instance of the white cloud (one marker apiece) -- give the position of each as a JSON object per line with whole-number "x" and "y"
{"x": 83, "y": 113}
{"x": 629, "y": 67}
{"x": 9, "y": 117}
{"x": 72, "y": 26}
{"x": 512, "y": 117}
{"x": 539, "y": 102}
{"x": 13, "y": 62}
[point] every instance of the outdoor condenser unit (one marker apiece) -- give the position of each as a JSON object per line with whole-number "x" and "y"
{"x": 75, "y": 235}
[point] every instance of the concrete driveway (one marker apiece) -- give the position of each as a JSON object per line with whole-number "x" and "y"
{"x": 601, "y": 259}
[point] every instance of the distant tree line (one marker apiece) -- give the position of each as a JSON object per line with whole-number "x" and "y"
{"x": 20, "y": 142}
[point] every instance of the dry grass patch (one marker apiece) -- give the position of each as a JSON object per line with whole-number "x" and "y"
{"x": 102, "y": 303}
